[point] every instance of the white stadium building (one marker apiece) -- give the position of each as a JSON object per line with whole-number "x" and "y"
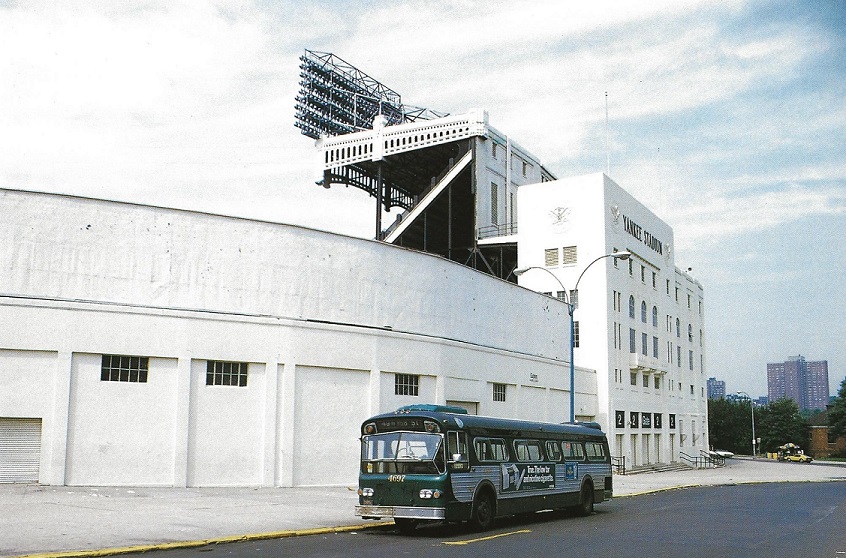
{"x": 142, "y": 345}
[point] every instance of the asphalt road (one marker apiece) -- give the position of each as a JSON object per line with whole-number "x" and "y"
{"x": 751, "y": 520}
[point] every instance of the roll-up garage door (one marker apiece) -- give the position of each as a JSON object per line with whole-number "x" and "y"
{"x": 20, "y": 449}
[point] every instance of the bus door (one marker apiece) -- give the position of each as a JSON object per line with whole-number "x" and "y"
{"x": 458, "y": 456}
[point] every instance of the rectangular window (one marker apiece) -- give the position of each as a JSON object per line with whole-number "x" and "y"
{"x": 644, "y": 344}
{"x": 642, "y": 274}
{"x": 493, "y": 149}
{"x": 632, "y": 342}
{"x": 690, "y": 359}
{"x": 576, "y": 334}
{"x": 494, "y": 204}
{"x": 595, "y": 451}
{"x": 553, "y": 451}
{"x": 490, "y": 449}
{"x": 646, "y": 380}
{"x": 657, "y": 382}
{"x": 655, "y": 347}
{"x": 568, "y": 255}
{"x": 525, "y": 168}
{"x": 219, "y": 373}
{"x": 654, "y": 280}
{"x": 511, "y": 212}
{"x": 678, "y": 357}
{"x": 499, "y": 392}
{"x": 407, "y": 384}
{"x": 633, "y": 378}
{"x": 573, "y": 451}
{"x": 528, "y": 450}
{"x": 120, "y": 368}
{"x": 550, "y": 257}
{"x": 574, "y": 298}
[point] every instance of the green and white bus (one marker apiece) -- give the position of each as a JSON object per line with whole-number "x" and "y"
{"x": 437, "y": 463}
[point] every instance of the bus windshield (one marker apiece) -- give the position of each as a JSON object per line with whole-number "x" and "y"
{"x": 403, "y": 452}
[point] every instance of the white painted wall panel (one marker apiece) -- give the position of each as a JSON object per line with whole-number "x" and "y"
{"x": 121, "y": 433}
{"x": 225, "y": 440}
{"x": 330, "y": 406}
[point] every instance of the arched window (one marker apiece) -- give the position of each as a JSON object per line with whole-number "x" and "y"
{"x": 654, "y": 316}
{"x": 643, "y": 311}
{"x": 631, "y": 307}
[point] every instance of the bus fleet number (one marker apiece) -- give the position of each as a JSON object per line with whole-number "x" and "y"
{"x": 396, "y": 478}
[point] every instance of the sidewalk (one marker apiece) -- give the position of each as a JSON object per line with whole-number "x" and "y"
{"x": 83, "y": 521}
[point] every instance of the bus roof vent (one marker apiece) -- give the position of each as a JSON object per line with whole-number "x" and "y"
{"x": 433, "y": 409}
{"x": 595, "y": 425}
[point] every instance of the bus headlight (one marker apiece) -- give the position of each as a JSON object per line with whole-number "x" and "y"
{"x": 366, "y": 492}
{"x": 427, "y": 494}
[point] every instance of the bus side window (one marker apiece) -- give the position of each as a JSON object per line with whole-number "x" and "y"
{"x": 528, "y": 450}
{"x": 490, "y": 449}
{"x": 553, "y": 452}
{"x": 595, "y": 451}
{"x": 573, "y": 451}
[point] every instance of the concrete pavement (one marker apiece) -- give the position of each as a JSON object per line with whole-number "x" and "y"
{"x": 86, "y": 521}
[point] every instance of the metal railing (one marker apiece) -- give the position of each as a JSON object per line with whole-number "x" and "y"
{"x": 618, "y": 464}
{"x": 704, "y": 460}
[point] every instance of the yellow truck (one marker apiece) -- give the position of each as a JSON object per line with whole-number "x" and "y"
{"x": 793, "y": 453}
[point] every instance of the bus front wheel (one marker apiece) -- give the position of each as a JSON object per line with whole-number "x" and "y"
{"x": 405, "y": 525}
{"x": 484, "y": 510}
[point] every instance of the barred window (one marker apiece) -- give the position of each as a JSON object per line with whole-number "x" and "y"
{"x": 499, "y": 392}
{"x": 575, "y": 334}
{"x": 119, "y": 368}
{"x": 406, "y": 384}
{"x": 220, "y": 373}
{"x": 550, "y": 257}
{"x": 568, "y": 255}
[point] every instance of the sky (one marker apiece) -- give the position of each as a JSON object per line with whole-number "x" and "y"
{"x": 727, "y": 119}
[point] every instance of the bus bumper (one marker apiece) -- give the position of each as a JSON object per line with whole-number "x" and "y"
{"x": 378, "y": 512}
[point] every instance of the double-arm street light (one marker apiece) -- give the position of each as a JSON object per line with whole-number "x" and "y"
{"x": 752, "y": 405}
{"x": 571, "y": 309}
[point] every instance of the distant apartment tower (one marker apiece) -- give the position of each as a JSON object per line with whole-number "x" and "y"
{"x": 800, "y": 380}
{"x": 716, "y": 389}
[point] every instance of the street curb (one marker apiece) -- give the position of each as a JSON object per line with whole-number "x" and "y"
{"x": 203, "y": 542}
{"x": 737, "y": 483}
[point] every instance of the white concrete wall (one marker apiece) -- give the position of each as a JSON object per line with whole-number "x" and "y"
{"x": 324, "y": 321}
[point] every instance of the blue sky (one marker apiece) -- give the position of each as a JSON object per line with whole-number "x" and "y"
{"x": 727, "y": 119}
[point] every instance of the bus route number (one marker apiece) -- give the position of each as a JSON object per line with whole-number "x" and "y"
{"x": 396, "y": 478}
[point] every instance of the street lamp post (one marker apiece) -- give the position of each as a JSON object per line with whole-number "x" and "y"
{"x": 752, "y": 405}
{"x": 571, "y": 309}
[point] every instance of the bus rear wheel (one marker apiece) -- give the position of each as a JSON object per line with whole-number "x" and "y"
{"x": 484, "y": 511}
{"x": 587, "y": 500}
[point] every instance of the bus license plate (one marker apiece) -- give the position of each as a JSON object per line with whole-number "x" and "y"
{"x": 376, "y": 511}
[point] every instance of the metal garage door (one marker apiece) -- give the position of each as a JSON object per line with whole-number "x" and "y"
{"x": 20, "y": 449}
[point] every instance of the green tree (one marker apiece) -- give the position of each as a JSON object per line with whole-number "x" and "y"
{"x": 730, "y": 425}
{"x": 781, "y": 422}
{"x": 837, "y": 413}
